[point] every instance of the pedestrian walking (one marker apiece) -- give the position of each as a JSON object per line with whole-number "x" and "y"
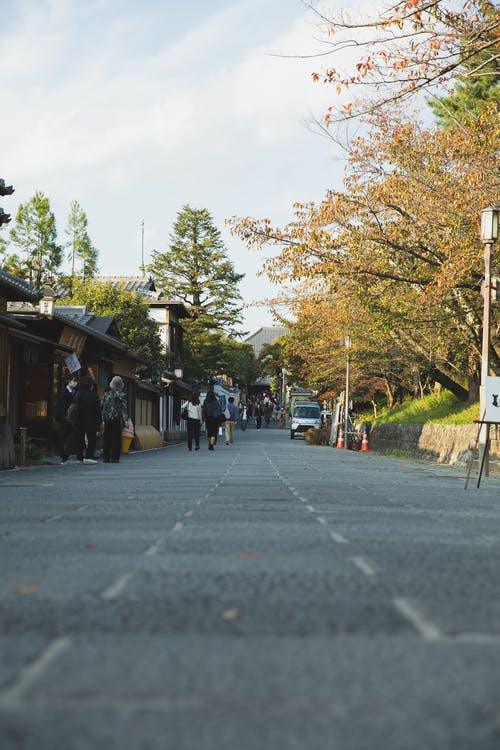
{"x": 114, "y": 416}
{"x": 268, "y": 410}
{"x": 230, "y": 423}
{"x": 88, "y": 420}
{"x": 194, "y": 420}
{"x": 250, "y": 408}
{"x": 258, "y": 412}
{"x": 244, "y": 419}
{"x": 212, "y": 414}
{"x": 64, "y": 401}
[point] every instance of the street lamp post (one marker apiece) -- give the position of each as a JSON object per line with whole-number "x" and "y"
{"x": 348, "y": 344}
{"x": 489, "y": 235}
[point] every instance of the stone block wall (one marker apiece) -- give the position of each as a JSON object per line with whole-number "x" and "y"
{"x": 450, "y": 444}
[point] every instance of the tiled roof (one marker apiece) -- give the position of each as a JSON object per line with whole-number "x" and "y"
{"x": 104, "y": 324}
{"x": 22, "y": 289}
{"x": 139, "y": 284}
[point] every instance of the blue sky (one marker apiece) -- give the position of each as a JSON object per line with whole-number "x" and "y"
{"x": 135, "y": 109}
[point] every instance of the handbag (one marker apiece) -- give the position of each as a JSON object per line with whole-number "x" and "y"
{"x": 184, "y": 413}
{"x": 72, "y": 413}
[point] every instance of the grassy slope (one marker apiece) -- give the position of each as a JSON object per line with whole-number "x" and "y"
{"x": 444, "y": 408}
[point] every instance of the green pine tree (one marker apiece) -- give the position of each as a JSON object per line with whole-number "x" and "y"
{"x": 35, "y": 234}
{"x": 80, "y": 245}
{"x": 480, "y": 83}
{"x": 195, "y": 269}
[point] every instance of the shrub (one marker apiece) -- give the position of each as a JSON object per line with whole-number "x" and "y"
{"x": 317, "y": 437}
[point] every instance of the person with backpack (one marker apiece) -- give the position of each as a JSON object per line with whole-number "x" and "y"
{"x": 114, "y": 416}
{"x": 212, "y": 415}
{"x": 232, "y": 415}
{"x": 192, "y": 412}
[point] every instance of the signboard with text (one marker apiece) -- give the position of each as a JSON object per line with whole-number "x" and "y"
{"x": 492, "y": 399}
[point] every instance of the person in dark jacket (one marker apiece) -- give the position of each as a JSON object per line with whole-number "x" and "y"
{"x": 114, "y": 415}
{"x": 88, "y": 420}
{"x": 258, "y": 411}
{"x": 65, "y": 399}
{"x": 212, "y": 415}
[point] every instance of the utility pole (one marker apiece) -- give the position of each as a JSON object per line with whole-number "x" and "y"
{"x": 143, "y": 267}
{"x": 348, "y": 344}
{"x": 489, "y": 235}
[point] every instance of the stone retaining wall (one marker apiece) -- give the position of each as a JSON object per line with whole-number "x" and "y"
{"x": 451, "y": 444}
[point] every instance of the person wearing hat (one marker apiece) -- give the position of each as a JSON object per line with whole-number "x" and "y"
{"x": 114, "y": 416}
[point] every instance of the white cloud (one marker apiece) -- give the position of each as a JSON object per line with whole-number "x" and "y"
{"x": 207, "y": 117}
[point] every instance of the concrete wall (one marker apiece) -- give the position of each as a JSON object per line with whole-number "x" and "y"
{"x": 451, "y": 444}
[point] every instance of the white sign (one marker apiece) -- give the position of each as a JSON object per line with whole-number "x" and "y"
{"x": 492, "y": 399}
{"x": 47, "y": 307}
{"x": 72, "y": 363}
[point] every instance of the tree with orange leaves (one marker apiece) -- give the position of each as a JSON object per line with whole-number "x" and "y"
{"x": 400, "y": 242}
{"x": 412, "y": 46}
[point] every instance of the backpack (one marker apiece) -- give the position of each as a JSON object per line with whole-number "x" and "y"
{"x": 112, "y": 407}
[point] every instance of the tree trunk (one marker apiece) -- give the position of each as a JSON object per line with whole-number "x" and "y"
{"x": 459, "y": 391}
{"x": 473, "y": 382}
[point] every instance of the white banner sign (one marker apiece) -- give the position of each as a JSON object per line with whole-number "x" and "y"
{"x": 72, "y": 363}
{"x": 492, "y": 400}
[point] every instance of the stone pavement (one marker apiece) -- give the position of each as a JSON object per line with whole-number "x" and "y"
{"x": 269, "y": 594}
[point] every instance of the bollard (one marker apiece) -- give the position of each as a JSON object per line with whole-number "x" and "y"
{"x": 22, "y": 446}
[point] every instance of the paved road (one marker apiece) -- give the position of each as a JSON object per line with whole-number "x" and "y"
{"x": 266, "y": 595}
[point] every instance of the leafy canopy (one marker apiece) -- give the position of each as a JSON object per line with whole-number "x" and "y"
{"x": 137, "y": 329}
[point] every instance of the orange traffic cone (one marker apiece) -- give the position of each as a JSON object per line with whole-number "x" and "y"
{"x": 365, "y": 446}
{"x": 340, "y": 439}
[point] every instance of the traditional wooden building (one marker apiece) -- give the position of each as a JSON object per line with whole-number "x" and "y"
{"x": 13, "y": 334}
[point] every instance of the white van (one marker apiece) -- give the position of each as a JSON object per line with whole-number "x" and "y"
{"x": 305, "y": 414}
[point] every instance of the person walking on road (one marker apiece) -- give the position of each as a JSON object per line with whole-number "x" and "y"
{"x": 65, "y": 399}
{"x": 258, "y": 411}
{"x": 268, "y": 411}
{"x": 230, "y": 424}
{"x": 88, "y": 420}
{"x": 114, "y": 416}
{"x": 244, "y": 418}
{"x": 212, "y": 413}
{"x": 194, "y": 420}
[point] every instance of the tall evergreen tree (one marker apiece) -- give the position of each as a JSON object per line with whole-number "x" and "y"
{"x": 195, "y": 268}
{"x": 80, "y": 245}
{"x": 479, "y": 83}
{"x": 35, "y": 234}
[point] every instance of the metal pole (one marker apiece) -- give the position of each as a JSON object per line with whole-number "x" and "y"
{"x": 22, "y": 445}
{"x": 483, "y": 434}
{"x": 346, "y": 404}
{"x": 143, "y": 267}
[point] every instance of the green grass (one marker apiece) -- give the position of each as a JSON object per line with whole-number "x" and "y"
{"x": 443, "y": 408}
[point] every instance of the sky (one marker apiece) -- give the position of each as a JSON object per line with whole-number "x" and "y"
{"x": 137, "y": 109}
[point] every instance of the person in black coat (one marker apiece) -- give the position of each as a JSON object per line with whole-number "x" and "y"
{"x": 66, "y": 397}
{"x": 88, "y": 421}
{"x": 212, "y": 416}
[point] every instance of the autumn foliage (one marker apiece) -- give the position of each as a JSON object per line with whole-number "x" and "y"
{"x": 394, "y": 259}
{"x": 411, "y": 46}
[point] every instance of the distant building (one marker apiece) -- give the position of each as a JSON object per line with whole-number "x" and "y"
{"x": 265, "y": 335}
